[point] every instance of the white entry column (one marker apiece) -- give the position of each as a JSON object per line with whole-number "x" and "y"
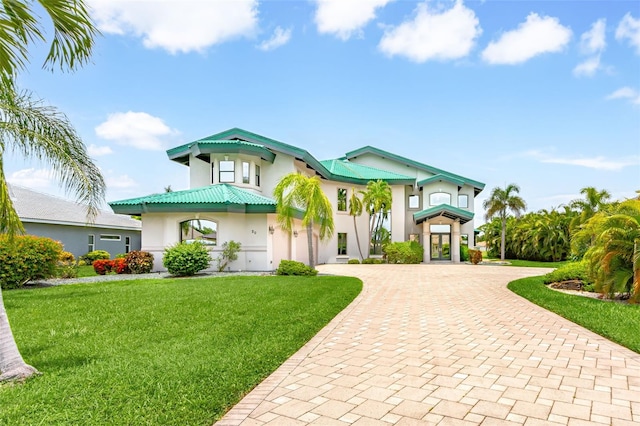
{"x": 455, "y": 241}
{"x": 426, "y": 241}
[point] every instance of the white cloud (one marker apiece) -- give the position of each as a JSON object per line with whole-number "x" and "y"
{"x": 98, "y": 151}
{"x": 592, "y": 42}
{"x": 626, "y": 93}
{"x": 32, "y": 178}
{"x": 629, "y": 28}
{"x": 433, "y": 35}
{"x": 137, "y": 129}
{"x": 279, "y": 38}
{"x": 345, "y": 18}
{"x": 588, "y": 67}
{"x": 177, "y": 26}
{"x": 535, "y": 36}
{"x": 597, "y": 163}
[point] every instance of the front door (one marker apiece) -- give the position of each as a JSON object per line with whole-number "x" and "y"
{"x": 440, "y": 246}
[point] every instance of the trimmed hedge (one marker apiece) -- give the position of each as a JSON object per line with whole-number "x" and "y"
{"x": 27, "y": 258}
{"x": 407, "y": 252}
{"x": 291, "y": 267}
{"x": 92, "y": 256}
{"x": 185, "y": 259}
{"x": 353, "y": 262}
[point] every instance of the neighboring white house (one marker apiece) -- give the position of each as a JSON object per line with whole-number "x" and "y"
{"x": 44, "y": 215}
{"x": 232, "y": 177}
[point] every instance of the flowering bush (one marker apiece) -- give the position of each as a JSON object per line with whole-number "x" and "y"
{"x": 27, "y": 258}
{"x": 119, "y": 266}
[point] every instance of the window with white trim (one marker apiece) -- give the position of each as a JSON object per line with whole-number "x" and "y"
{"x": 92, "y": 242}
{"x": 110, "y": 237}
{"x": 257, "y": 175}
{"x": 227, "y": 171}
{"x": 414, "y": 201}
{"x": 463, "y": 201}
{"x": 127, "y": 244}
{"x": 437, "y": 198}
{"x": 245, "y": 172}
{"x": 342, "y": 200}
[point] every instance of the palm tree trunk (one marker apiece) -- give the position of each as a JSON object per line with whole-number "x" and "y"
{"x": 503, "y": 238}
{"x": 312, "y": 260}
{"x": 12, "y": 366}
{"x": 355, "y": 227}
{"x": 372, "y": 224}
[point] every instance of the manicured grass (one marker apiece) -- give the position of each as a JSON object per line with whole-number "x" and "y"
{"x": 159, "y": 352}
{"x": 615, "y": 321}
{"x": 535, "y": 264}
{"x": 86, "y": 271}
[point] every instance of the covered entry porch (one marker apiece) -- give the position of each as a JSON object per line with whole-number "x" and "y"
{"x": 441, "y": 232}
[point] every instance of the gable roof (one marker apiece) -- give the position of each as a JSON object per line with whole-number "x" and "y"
{"x": 478, "y": 186}
{"x": 444, "y": 210}
{"x": 36, "y": 207}
{"x": 214, "y": 198}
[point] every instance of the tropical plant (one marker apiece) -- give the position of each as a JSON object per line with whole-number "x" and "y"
{"x": 36, "y": 130}
{"x": 292, "y": 267}
{"x": 377, "y": 200}
{"x": 230, "y": 250}
{"x": 499, "y": 204}
{"x": 139, "y": 262}
{"x": 355, "y": 210}
{"x": 299, "y": 195}
{"x": 405, "y": 252}
{"x": 613, "y": 261}
{"x": 594, "y": 202}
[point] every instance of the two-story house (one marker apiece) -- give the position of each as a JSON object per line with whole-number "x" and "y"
{"x": 232, "y": 177}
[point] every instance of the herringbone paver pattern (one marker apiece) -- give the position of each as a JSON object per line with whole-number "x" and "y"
{"x": 447, "y": 345}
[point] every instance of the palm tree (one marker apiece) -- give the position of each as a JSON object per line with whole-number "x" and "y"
{"x": 35, "y": 130}
{"x": 499, "y": 204}
{"x": 355, "y": 210}
{"x": 593, "y": 202}
{"x": 377, "y": 200}
{"x": 296, "y": 192}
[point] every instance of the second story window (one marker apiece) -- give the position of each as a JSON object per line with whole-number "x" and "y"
{"x": 414, "y": 201}
{"x": 245, "y": 172}
{"x": 227, "y": 171}
{"x": 463, "y": 201}
{"x": 342, "y": 200}
{"x": 213, "y": 171}
{"x": 257, "y": 175}
{"x": 438, "y": 198}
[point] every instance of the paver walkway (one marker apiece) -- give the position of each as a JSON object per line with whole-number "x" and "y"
{"x": 447, "y": 345}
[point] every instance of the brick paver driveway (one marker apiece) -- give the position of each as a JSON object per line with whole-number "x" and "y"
{"x": 447, "y": 345}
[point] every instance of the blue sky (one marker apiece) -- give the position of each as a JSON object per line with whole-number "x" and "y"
{"x": 542, "y": 94}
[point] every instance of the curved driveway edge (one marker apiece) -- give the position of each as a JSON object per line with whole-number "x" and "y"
{"x": 449, "y": 345}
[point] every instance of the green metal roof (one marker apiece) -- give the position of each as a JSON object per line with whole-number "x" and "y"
{"x": 441, "y": 177}
{"x": 267, "y": 144}
{"x": 203, "y": 147}
{"x": 213, "y": 198}
{"x": 344, "y": 169}
{"x": 478, "y": 186}
{"x": 444, "y": 210}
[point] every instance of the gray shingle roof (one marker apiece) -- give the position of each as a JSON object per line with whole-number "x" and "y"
{"x": 33, "y": 206}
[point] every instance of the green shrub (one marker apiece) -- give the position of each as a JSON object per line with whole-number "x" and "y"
{"x": 353, "y": 262}
{"x": 464, "y": 253}
{"x": 27, "y": 258}
{"x": 291, "y": 267}
{"x": 120, "y": 256}
{"x": 229, "y": 253}
{"x": 139, "y": 262}
{"x": 372, "y": 261}
{"x": 570, "y": 271}
{"x": 475, "y": 256}
{"x": 184, "y": 259}
{"x": 404, "y": 252}
{"x": 95, "y": 255}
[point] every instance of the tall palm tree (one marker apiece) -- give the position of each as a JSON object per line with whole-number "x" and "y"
{"x": 499, "y": 204}
{"x": 377, "y": 200}
{"x": 296, "y": 192}
{"x": 355, "y": 210}
{"x": 35, "y": 130}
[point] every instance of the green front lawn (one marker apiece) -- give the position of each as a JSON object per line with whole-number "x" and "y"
{"x": 615, "y": 321}
{"x": 536, "y": 264}
{"x": 159, "y": 352}
{"x": 86, "y": 271}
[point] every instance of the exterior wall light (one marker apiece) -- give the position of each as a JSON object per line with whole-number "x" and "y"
{"x": 295, "y": 234}
{"x": 271, "y": 229}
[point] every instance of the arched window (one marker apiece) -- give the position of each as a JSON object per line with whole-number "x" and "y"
{"x": 437, "y": 198}
{"x": 205, "y": 231}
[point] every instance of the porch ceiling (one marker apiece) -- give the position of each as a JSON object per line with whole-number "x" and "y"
{"x": 443, "y": 210}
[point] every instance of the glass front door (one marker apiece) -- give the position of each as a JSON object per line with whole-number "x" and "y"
{"x": 440, "y": 246}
